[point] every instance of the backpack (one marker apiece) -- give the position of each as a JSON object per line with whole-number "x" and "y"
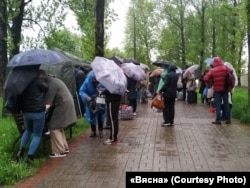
{"x": 229, "y": 81}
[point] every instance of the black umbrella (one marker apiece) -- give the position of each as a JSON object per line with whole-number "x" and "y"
{"x": 130, "y": 60}
{"x": 162, "y": 63}
{"x": 116, "y": 59}
{"x": 36, "y": 57}
{"x": 17, "y": 80}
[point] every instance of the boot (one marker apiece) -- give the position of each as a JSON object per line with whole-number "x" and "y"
{"x": 19, "y": 155}
{"x": 30, "y": 160}
{"x": 93, "y": 128}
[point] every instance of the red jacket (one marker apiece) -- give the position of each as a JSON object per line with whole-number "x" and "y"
{"x": 217, "y": 74}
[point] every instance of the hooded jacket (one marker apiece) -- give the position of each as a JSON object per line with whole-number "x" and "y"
{"x": 170, "y": 85}
{"x": 217, "y": 75}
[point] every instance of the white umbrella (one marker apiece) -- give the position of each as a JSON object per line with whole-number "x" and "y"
{"x": 133, "y": 71}
{"x": 192, "y": 72}
{"x": 110, "y": 75}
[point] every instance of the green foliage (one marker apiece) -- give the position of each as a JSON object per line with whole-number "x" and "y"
{"x": 12, "y": 172}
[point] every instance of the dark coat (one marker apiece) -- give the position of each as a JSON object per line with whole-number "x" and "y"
{"x": 169, "y": 88}
{"x": 32, "y": 97}
{"x": 131, "y": 87}
{"x": 60, "y": 97}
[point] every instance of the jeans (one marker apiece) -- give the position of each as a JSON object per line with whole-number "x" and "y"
{"x": 34, "y": 123}
{"x": 219, "y": 97}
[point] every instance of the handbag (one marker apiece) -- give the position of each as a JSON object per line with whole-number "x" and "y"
{"x": 158, "y": 102}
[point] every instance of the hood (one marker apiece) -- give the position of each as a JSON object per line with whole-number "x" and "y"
{"x": 217, "y": 61}
{"x": 172, "y": 68}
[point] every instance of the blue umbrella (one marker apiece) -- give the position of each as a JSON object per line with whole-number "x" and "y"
{"x": 209, "y": 61}
{"x": 36, "y": 57}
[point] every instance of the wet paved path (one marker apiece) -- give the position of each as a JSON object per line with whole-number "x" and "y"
{"x": 193, "y": 144}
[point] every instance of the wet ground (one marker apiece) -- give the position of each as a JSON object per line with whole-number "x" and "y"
{"x": 193, "y": 144}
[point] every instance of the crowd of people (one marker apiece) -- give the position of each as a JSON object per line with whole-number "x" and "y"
{"x": 99, "y": 106}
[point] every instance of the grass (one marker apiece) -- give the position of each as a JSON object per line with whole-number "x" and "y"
{"x": 12, "y": 172}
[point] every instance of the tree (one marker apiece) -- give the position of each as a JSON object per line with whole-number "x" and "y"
{"x": 3, "y": 43}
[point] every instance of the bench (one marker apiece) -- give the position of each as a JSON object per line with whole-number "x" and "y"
{"x": 21, "y": 128}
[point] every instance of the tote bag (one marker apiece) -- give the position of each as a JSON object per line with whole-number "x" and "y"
{"x": 158, "y": 102}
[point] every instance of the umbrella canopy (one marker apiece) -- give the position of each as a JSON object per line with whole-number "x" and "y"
{"x": 133, "y": 71}
{"x": 36, "y": 57}
{"x": 162, "y": 63}
{"x": 156, "y": 72}
{"x": 130, "y": 60}
{"x": 110, "y": 75}
{"x": 209, "y": 61}
{"x": 116, "y": 59}
{"x": 192, "y": 72}
{"x": 144, "y": 66}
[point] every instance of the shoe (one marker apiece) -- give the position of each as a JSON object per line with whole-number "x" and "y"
{"x": 228, "y": 122}
{"x": 110, "y": 142}
{"x": 93, "y": 134}
{"x": 66, "y": 151}
{"x": 165, "y": 124}
{"x": 100, "y": 134}
{"x": 47, "y": 133}
{"x": 216, "y": 122}
{"x": 56, "y": 155}
{"x": 19, "y": 155}
{"x": 134, "y": 113}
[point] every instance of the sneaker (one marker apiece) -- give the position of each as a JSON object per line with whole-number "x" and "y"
{"x": 134, "y": 113}
{"x": 66, "y": 151}
{"x": 110, "y": 142}
{"x": 47, "y": 133}
{"x": 216, "y": 122}
{"x": 100, "y": 134}
{"x": 93, "y": 134}
{"x": 165, "y": 124}
{"x": 56, "y": 155}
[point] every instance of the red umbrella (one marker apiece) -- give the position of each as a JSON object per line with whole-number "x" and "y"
{"x": 156, "y": 72}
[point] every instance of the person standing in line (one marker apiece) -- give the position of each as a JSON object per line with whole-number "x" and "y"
{"x": 89, "y": 92}
{"x": 33, "y": 109}
{"x": 113, "y": 103}
{"x": 132, "y": 93}
{"x": 218, "y": 74}
{"x": 169, "y": 91}
{"x": 184, "y": 82}
{"x": 64, "y": 114}
{"x": 203, "y": 87}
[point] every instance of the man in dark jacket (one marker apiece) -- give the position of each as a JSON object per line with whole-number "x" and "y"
{"x": 218, "y": 74}
{"x": 169, "y": 90}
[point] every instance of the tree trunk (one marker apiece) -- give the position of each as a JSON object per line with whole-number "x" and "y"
{"x": 248, "y": 43}
{"x": 16, "y": 29}
{"x": 99, "y": 29}
{"x": 3, "y": 43}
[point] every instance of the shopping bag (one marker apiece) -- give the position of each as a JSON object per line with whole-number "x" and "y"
{"x": 158, "y": 102}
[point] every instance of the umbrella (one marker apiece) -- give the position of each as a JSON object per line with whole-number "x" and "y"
{"x": 229, "y": 65}
{"x": 192, "y": 72}
{"x": 179, "y": 70}
{"x": 133, "y": 71}
{"x": 162, "y": 63}
{"x": 144, "y": 66}
{"x": 209, "y": 61}
{"x": 110, "y": 75}
{"x": 36, "y": 57}
{"x": 116, "y": 59}
{"x": 156, "y": 72}
{"x": 17, "y": 80}
{"x": 130, "y": 60}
